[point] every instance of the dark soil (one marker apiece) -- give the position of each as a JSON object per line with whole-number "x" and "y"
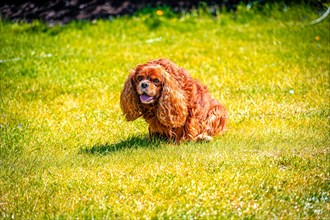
{"x": 64, "y": 11}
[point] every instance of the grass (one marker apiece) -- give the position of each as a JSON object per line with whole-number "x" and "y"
{"x": 66, "y": 151}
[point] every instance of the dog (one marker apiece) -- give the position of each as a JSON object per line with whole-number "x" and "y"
{"x": 176, "y": 106}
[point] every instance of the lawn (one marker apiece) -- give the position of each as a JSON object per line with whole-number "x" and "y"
{"x": 67, "y": 152}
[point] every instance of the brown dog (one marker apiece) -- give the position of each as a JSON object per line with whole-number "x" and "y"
{"x": 175, "y": 106}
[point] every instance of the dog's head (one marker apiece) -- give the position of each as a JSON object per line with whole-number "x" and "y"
{"x": 151, "y": 86}
{"x": 148, "y": 81}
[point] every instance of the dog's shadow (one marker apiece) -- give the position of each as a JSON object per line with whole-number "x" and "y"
{"x": 130, "y": 143}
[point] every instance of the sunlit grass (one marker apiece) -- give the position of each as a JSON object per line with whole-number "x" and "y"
{"x": 67, "y": 152}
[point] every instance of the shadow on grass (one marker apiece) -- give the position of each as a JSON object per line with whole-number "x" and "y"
{"x": 130, "y": 143}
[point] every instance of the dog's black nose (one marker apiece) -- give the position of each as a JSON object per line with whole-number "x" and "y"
{"x": 144, "y": 85}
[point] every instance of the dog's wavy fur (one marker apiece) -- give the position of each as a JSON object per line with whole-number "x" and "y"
{"x": 176, "y": 106}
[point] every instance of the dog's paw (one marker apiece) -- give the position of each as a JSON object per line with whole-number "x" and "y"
{"x": 202, "y": 137}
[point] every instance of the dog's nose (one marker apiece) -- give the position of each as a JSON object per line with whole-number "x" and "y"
{"x": 144, "y": 85}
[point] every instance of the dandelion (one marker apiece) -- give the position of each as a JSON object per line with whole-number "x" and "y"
{"x": 159, "y": 12}
{"x": 317, "y": 38}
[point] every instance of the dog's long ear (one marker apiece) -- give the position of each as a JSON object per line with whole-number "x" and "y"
{"x": 129, "y": 101}
{"x": 172, "y": 108}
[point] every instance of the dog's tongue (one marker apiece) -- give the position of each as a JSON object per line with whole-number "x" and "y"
{"x": 145, "y": 98}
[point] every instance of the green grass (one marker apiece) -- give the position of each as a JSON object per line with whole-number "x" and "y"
{"x": 67, "y": 152}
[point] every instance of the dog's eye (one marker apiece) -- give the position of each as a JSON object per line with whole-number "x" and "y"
{"x": 140, "y": 78}
{"x": 155, "y": 80}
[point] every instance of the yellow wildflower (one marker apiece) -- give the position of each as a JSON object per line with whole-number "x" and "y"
{"x": 159, "y": 12}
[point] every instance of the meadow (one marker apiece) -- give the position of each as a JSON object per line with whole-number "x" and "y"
{"x": 66, "y": 151}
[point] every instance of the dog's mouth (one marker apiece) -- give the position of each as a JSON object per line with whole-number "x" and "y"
{"x": 146, "y": 99}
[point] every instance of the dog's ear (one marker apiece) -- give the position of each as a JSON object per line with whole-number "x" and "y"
{"x": 172, "y": 108}
{"x": 129, "y": 100}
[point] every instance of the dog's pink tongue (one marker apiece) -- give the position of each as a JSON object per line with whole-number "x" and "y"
{"x": 145, "y": 98}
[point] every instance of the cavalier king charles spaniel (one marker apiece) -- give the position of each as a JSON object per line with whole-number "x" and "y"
{"x": 176, "y": 106}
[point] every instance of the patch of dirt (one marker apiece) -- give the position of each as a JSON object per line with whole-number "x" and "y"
{"x": 64, "y": 11}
